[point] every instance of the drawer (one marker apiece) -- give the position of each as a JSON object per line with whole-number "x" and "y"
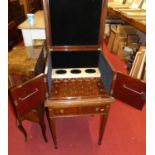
{"x": 78, "y": 110}
{"x": 94, "y": 109}
{"x": 63, "y": 111}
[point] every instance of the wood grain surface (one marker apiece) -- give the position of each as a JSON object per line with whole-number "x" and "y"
{"x": 75, "y": 92}
{"x": 39, "y": 22}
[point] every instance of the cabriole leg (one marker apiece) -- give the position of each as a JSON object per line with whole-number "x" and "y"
{"x": 22, "y": 129}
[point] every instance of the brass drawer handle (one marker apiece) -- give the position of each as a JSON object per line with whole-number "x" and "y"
{"x": 61, "y": 111}
{"x": 24, "y": 98}
{"x": 97, "y": 109}
{"x": 34, "y": 110}
{"x": 102, "y": 109}
{"x": 137, "y": 92}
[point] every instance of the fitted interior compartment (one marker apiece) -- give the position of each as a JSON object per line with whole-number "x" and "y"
{"x": 86, "y": 60}
{"x": 75, "y": 64}
{"x": 78, "y": 88}
{"x": 75, "y": 73}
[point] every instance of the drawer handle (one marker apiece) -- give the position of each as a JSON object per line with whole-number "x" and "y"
{"x": 102, "y": 109}
{"x": 96, "y": 109}
{"x": 34, "y": 110}
{"x": 24, "y": 98}
{"x": 137, "y": 92}
{"x": 107, "y": 106}
{"x": 61, "y": 111}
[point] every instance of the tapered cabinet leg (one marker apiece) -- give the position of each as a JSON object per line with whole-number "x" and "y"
{"x": 102, "y": 127}
{"x": 22, "y": 129}
{"x": 41, "y": 121}
{"x": 51, "y": 122}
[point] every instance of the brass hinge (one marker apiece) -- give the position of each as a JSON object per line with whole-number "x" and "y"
{"x": 44, "y": 53}
{"x": 16, "y": 103}
{"x": 46, "y": 95}
{"x": 114, "y": 77}
{"x": 45, "y": 80}
{"x": 111, "y": 92}
{"x": 99, "y": 49}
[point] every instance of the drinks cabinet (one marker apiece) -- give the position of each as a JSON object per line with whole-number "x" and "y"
{"x": 80, "y": 79}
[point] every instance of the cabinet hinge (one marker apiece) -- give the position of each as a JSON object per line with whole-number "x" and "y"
{"x": 99, "y": 49}
{"x": 16, "y": 103}
{"x": 114, "y": 77}
{"x": 111, "y": 92}
{"x": 45, "y": 53}
{"x": 45, "y": 80}
{"x": 46, "y": 95}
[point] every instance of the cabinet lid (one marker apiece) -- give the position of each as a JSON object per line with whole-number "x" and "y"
{"x": 74, "y": 22}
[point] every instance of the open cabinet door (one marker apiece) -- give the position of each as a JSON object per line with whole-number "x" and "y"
{"x": 129, "y": 90}
{"x": 33, "y": 91}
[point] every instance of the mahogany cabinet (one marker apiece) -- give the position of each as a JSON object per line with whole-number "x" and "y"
{"x": 75, "y": 32}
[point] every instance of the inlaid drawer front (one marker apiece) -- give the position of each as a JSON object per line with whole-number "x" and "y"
{"x": 78, "y": 110}
{"x": 63, "y": 111}
{"x": 93, "y": 109}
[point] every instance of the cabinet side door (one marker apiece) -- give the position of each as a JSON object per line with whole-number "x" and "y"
{"x": 129, "y": 90}
{"x": 29, "y": 95}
